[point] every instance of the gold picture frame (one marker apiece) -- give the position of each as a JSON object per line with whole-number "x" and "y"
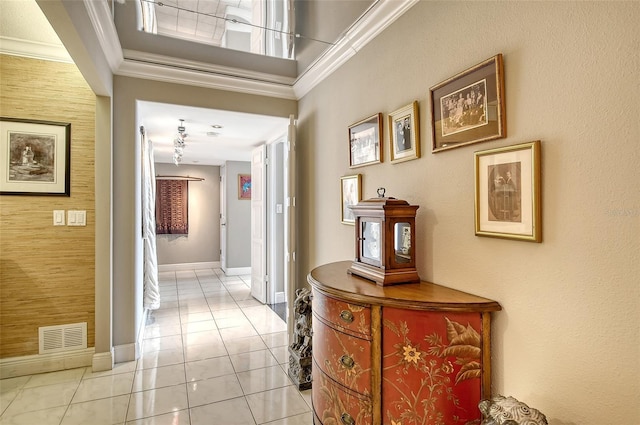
{"x": 507, "y": 192}
{"x": 469, "y": 107}
{"x": 365, "y": 145}
{"x": 350, "y": 194}
{"x": 404, "y": 133}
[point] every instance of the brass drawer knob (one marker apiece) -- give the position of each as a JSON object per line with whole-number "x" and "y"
{"x": 347, "y": 419}
{"x": 347, "y": 361}
{"x": 346, "y": 315}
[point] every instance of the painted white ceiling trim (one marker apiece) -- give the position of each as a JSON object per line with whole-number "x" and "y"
{"x": 379, "y": 17}
{"x": 203, "y": 76}
{"x": 102, "y": 22}
{"x": 34, "y": 50}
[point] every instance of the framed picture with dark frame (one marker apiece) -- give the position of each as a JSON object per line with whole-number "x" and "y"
{"x": 35, "y": 157}
{"x": 404, "y": 133}
{"x": 469, "y": 107}
{"x": 244, "y": 186}
{"x": 365, "y": 146}
{"x": 350, "y": 194}
{"x": 507, "y": 192}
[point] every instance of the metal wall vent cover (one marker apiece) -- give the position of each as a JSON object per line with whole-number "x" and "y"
{"x": 53, "y": 339}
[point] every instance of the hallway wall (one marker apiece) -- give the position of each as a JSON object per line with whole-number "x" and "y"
{"x": 47, "y": 272}
{"x": 202, "y": 244}
{"x": 568, "y": 339}
{"x": 238, "y": 218}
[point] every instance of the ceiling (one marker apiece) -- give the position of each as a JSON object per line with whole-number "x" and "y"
{"x": 204, "y": 144}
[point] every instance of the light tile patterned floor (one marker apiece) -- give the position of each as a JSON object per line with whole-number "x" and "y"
{"x": 211, "y": 355}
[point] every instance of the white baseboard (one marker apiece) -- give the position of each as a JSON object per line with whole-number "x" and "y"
{"x": 102, "y": 361}
{"x": 125, "y": 352}
{"x": 41, "y": 363}
{"x": 237, "y": 271}
{"x": 280, "y": 298}
{"x": 188, "y": 266}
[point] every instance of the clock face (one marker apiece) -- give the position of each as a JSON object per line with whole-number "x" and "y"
{"x": 371, "y": 240}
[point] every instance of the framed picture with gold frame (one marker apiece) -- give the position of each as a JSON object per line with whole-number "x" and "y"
{"x": 404, "y": 133}
{"x": 469, "y": 107}
{"x": 507, "y": 192}
{"x": 365, "y": 145}
{"x": 350, "y": 194}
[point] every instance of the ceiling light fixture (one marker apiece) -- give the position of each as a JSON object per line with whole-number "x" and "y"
{"x": 178, "y": 144}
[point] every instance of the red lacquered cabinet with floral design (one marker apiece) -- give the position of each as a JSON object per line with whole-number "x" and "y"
{"x": 408, "y": 354}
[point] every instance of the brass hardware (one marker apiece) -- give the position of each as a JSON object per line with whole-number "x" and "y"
{"x": 346, "y": 315}
{"x": 347, "y": 362}
{"x": 347, "y": 419}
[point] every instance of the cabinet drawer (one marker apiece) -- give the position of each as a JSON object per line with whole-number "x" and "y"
{"x": 333, "y": 404}
{"x": 344, "y": 358}
{"x": 352, "y": 318}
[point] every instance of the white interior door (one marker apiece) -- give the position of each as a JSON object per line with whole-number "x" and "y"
{"x": 290, "y": 222}
{"x": 258, "y": 225}
{"x": 223, "y": 218}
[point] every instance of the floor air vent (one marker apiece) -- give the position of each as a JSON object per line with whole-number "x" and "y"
{"x": 54, "y": 339}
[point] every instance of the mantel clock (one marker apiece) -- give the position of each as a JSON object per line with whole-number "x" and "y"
{"x": 385, "y": 240}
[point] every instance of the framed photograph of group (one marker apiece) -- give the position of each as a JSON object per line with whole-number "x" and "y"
{"x": 365, "y": 146}
{"x": 507, "y": 192}
{"x": 34, "y": 157}
{"x": 469, "y": 107}
{"x": 350, "y": 194}
{"x": 404, "y": 133}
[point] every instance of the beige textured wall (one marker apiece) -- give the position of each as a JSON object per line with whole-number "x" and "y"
{"x": 568, "y": 340}
{"x": 47, "y": 272}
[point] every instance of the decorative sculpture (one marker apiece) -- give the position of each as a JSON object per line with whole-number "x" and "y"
{"x": 300, "y": 348}
{"x": 501, "y": 410}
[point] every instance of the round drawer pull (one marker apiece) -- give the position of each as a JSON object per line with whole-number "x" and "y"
{"x": 346, "y": 315}
{"x": 347, "y": 362}
{"x": 347, "y": 419}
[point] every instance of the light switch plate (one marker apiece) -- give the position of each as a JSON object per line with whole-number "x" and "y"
{"x": 76, "y": 218}
{"x": 58, "y": 217}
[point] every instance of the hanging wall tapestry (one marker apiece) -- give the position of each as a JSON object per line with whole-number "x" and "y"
{"x": 172, "y": 207}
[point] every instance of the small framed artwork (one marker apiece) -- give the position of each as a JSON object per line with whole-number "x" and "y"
{"x": 350, "y": 194}
{"x": 34, "y": 157}
{"x": 244, "y": 186}
{"x": 364, "y": 141}
{"x": 404, "y": 133}
{"x": 469, "y": 107}
{"x": 507, "y": 190}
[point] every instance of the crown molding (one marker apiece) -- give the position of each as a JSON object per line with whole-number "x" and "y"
{"x": 203, "y": 77}
{"x": 382, "y": 14}
{"x": 105, "y": 29}
{"x": 34, "y": 50}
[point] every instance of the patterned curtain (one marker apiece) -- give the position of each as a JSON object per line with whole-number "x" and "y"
{"x": 172, "y": 207}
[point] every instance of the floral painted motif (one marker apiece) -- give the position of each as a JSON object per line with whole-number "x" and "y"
{"x": 331, "y": 402}
{"x": 411, "y": 354}
{"x": 431, "y": 382}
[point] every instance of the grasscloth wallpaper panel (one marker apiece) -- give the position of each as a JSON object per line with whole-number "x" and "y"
{"x": 47, "y": 272}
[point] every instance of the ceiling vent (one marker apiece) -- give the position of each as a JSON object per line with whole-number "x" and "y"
{"x": 53, "y": 339}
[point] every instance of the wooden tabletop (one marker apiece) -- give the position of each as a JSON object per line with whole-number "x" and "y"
{"x": 333, "y": 279}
